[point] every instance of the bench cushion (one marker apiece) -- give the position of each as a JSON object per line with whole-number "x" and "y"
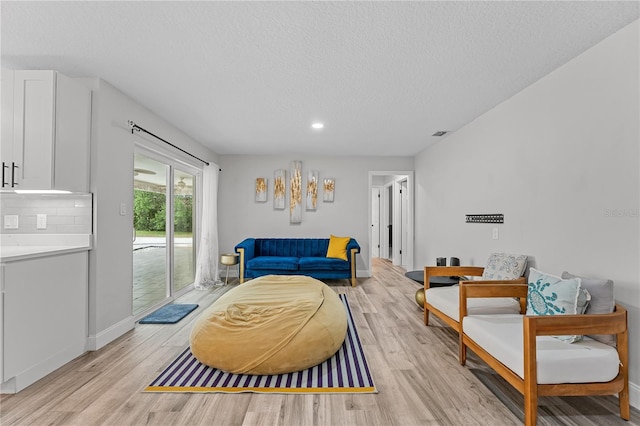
{"x": 446, "y": 300}
{"x": 558, "y": 362}
{"x": 280, "y": 263}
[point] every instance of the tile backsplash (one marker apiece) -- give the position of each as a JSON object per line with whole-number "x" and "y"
{"x": 65, "y": 213}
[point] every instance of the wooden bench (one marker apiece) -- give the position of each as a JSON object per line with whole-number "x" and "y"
{"x": 443, "y": 301}
{"x": 529, "y": 374}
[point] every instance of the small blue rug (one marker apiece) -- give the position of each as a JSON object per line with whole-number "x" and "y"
{"x": 169, "y": 314}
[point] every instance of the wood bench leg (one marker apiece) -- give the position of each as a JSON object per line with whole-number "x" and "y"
{"x": 623, "y": 400}
{"x": 623, "y": 353}
{"x": 530, "y": 373}
{"x": 530, "y": 410}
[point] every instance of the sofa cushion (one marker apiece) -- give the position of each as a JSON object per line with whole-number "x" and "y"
{"x": 273, "y": 263}
{"x": 551, "y": 295}
{"x": 338, "y": 247}
{"x": 291, "y": 247}
{"x": 558, "y": 362}
{"x": 322, "y": 264}
{"x": 504, "y": 266}
{"x": 602, "y": 301}
{"x": 446, "y": 300}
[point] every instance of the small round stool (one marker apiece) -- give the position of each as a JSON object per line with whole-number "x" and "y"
{"x": 229, "y": 259}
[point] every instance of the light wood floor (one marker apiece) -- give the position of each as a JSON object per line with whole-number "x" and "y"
{"x": 415, "y": 369}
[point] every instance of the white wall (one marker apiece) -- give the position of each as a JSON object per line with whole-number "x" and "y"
{"x": 111, "y": 262}
{"x": 241, "y": 217}
{"x": 560, "y": 160}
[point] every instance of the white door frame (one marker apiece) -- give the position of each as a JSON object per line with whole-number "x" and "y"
{"x": 401, "y": 175}
{"x": 386, "y": 207}
{"x": 376, "y": 240}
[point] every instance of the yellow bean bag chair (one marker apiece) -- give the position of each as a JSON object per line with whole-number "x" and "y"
{"x": 270, "y": 325}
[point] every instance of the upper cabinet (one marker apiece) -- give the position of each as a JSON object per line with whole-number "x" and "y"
{"x": 46, "y": 123}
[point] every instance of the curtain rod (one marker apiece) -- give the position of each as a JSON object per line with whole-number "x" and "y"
{"x": 137, "y": 128}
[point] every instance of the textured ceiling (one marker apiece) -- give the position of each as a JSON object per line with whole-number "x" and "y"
{"x": 251, "y": 77}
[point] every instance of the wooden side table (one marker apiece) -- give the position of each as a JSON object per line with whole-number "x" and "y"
{"x": 229, "y": 259}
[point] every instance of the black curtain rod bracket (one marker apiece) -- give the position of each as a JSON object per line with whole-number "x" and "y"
{"x": 135, "y": 127}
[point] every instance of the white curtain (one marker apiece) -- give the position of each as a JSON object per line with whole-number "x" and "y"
{"x": 207, "y": 263}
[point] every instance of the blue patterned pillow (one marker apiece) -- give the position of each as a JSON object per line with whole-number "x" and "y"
{"x": 551, "y": 295}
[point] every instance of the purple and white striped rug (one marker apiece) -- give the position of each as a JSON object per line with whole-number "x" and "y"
{"x": 345, "y": 372}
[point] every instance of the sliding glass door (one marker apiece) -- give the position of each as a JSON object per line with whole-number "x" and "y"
{"x": 164, "y": 227}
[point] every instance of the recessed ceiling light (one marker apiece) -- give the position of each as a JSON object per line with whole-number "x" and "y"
{"x": 317, "y": 125}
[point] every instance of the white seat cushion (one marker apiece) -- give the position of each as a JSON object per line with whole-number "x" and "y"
{"x": 558, "y": 362}
{"x": 446, "y": 300}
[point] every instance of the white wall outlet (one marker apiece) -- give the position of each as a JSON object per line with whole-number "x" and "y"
{"x": 41, "y": 221}
{"x": 10, "y": 221}
{"x": 123, "y": 209}
{"x": 494, "y": 234}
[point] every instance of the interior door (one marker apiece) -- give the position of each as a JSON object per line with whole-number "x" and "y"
{"x": 390, "y": 230}
{"x": 403, "y": 223}
{"x": 375, "y": 222}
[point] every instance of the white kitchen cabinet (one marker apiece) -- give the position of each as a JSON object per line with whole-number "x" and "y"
{"x": 46, "y": 123}
{"x": 44, "y": 316}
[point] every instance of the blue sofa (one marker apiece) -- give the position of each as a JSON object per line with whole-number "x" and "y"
{"x": 295, "y": 256}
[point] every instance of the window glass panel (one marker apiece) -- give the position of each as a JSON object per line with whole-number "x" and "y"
{"x": 150, "y": 233}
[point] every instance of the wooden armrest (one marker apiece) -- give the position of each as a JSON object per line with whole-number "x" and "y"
{"x": 492, "y": 288}
{"x": 552, "y": 325}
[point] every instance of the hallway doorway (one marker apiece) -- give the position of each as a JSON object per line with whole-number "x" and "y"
{"x": 391, "y": 219}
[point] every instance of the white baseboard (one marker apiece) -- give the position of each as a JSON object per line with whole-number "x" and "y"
{"x": 38, "y": 371}
{"x": 365, "y": 273}
{"x": 634, "y": 395}
{"x": 107, "y": 336}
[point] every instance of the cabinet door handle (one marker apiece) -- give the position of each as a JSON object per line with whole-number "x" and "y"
{"x": 4, "y": 166}
{"x": 13, "y": 174}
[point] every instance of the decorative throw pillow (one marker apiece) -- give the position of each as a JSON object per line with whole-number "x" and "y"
{"x": 551, "y": 295}
{"x": 602, "y": 301}
{"x": 338, "y": 247}
{"x": 504, "y": 266}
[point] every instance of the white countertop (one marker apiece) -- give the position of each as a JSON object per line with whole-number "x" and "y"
{"x": 27, "y": 246}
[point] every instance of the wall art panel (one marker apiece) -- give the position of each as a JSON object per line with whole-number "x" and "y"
{"x": 279, "y": 189}
{"x": 295, "y": 192}
{"x": 329, "y": 185}
{"x": 261, "y": 189}
{"x": 312, "y": 190}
